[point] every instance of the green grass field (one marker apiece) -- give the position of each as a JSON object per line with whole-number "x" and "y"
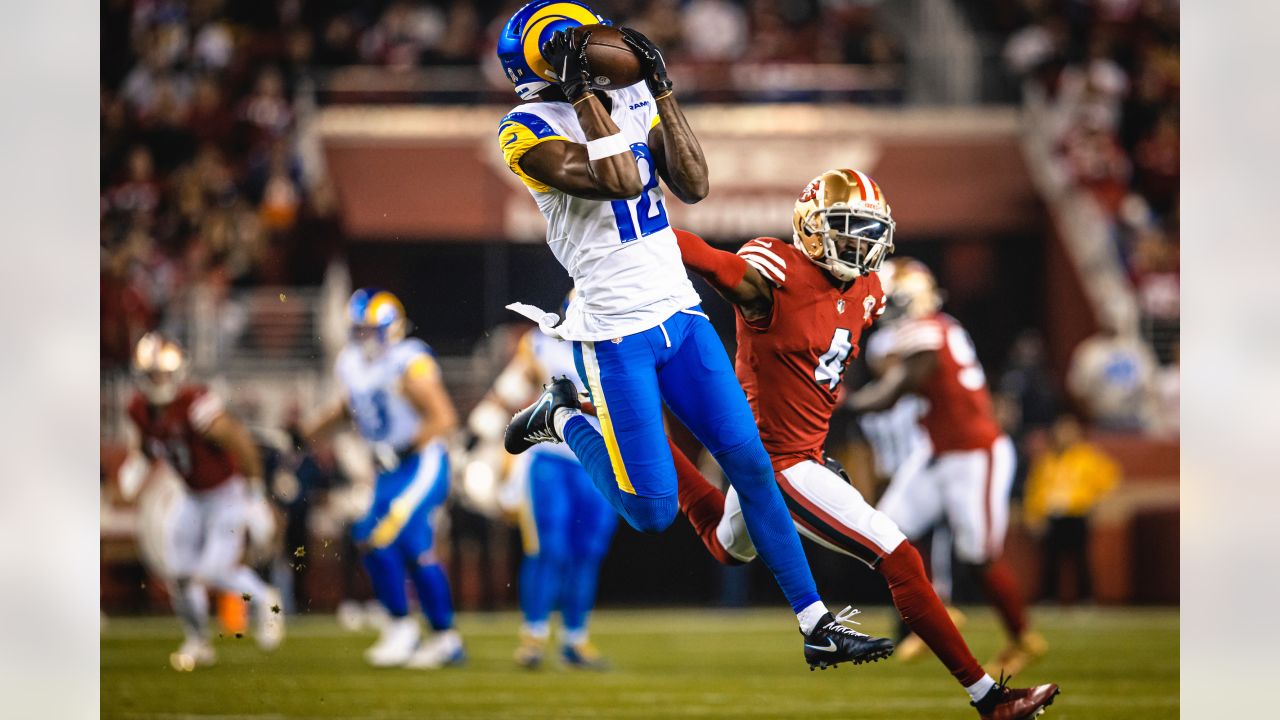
{"x": 667, "y": 664}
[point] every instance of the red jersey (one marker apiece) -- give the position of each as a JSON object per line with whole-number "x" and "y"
{"x": 175, "y": 432}
{"x": 791, "y": 363}
{"x": 960, "y": 415}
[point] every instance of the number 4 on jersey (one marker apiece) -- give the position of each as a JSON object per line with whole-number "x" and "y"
{"x": 831, "y": 364}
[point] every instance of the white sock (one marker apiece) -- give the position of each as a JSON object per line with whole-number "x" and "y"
{"x": 979, "y": 690}
{"x": 810, "y": 616}
{"x": 540, "y": 630}
{"x": 245, "y": 581}
{"x": 560, "y": 418}
{"x": 575, "y": 637}
{"x": 191, "y": 604}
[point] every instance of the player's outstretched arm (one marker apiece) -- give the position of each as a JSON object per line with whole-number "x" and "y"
{"x": 326, "y": 423}
{"x": 733, "y": 277}
{"x": 900, "y": 378}
{"x": 231, "y": 435}
{"x": 676, "y": 151}
{"x": 602, "y": 169}
{"x": 425, "y": 391}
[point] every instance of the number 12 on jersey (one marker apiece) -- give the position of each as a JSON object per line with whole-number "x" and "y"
{"x": 649, "y": 214}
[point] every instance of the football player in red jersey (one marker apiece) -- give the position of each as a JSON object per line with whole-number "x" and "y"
{"x": 970, "y": 473}
{"x": 801, "y": 310}
{"x": 186, "y": 426}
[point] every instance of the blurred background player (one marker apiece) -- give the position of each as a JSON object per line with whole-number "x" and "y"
{"x": 1065, "y": 484}
{"x": 201, "y": 533}
{"x": 394, "y": 393}
{"x": 802, "y": 308}
{"x": 566, "y": 526}
{"x": 900, "y": 446}
{"x": 592, "y": 160}
{"x": 970, "y": 473}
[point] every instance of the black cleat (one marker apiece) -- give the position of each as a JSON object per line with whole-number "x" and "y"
{"x": 832, "y": 643}
{"x": 535, "y": 424}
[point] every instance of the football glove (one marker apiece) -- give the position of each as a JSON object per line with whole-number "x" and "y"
{"x": 566, "y": 52}
{"x": 385, "y": 457}
{"x": 652, "y": 67}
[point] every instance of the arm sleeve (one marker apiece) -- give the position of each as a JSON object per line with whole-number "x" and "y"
{"x": 759, "y": 253}
{"x": 723, "y": 270}
{"x": 518, "y": 132}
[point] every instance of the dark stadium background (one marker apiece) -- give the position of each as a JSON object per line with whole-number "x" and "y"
{"x": 160, "y": 261}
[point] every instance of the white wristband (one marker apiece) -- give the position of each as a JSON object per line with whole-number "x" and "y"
{"x": 607, "y": 146}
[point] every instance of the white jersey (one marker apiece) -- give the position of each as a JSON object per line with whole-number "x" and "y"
{"x": 375, "y": 394}
{"x": 622, "y": 254}
{"x": 895, "y": 434}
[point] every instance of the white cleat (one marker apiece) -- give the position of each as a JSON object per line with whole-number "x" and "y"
{"x": 441, "y": 649}
{"x": 269, "y": 632}
{"x": 192, "y": 654}
{"x": 350, "y": 616}
{"x": 397, "y": 643}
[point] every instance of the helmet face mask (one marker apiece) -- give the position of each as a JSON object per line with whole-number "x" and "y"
{"x": 842, "y": 221}
{"x": 373, "y": 340}
{"x": 910, "y": 289}
{"x": 377, "y": 321}
{"x": 854, "y": 242}
{"x": 159, "y": 368}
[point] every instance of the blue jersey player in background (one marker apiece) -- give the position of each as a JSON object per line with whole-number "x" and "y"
{"x": 565, "y": 524}
{"x": 592, "y": 161}
{"x": 393, "y": 392}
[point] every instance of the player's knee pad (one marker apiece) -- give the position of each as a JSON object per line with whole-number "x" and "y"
{"x": 733, "y": 537}
{"x": 746, "y": 465}
{"x": 650, "y": 514}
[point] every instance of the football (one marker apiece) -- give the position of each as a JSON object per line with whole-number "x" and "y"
{"x": 613, "y": 64}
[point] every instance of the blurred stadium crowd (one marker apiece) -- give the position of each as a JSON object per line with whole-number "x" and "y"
{"x": 208, "y": 183}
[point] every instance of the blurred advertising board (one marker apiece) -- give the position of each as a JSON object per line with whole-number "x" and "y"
{"x": 415, "y": 174}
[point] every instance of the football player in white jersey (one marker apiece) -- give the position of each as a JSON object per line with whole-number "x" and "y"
{"x": 592, "y": 160}
{"x": 566, "y": 526}
{"x": 393, "y": 391}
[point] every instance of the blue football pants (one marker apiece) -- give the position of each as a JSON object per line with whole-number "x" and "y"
{"x": 681, "y": 362}
{"x": 397, "y": 537}
{"x": 565, "y": 540}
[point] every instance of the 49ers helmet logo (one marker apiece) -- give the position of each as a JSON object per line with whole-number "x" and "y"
{"x": 811, "y": 190}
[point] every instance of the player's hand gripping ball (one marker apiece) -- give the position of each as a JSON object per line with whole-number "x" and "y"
{"x": 652, "y": 67}
{"x": 613, "y": 63}
{"x": 595, "y": 56}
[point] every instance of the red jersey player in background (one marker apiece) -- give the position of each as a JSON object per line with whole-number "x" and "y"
{"x": 801, "y": 310}
{"x": 970, "y": 473}
{"x": 203, "y": 534}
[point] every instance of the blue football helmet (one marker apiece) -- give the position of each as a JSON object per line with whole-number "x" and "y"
{"x": 377, "y": 320}
{"x": 520, "y": 46}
